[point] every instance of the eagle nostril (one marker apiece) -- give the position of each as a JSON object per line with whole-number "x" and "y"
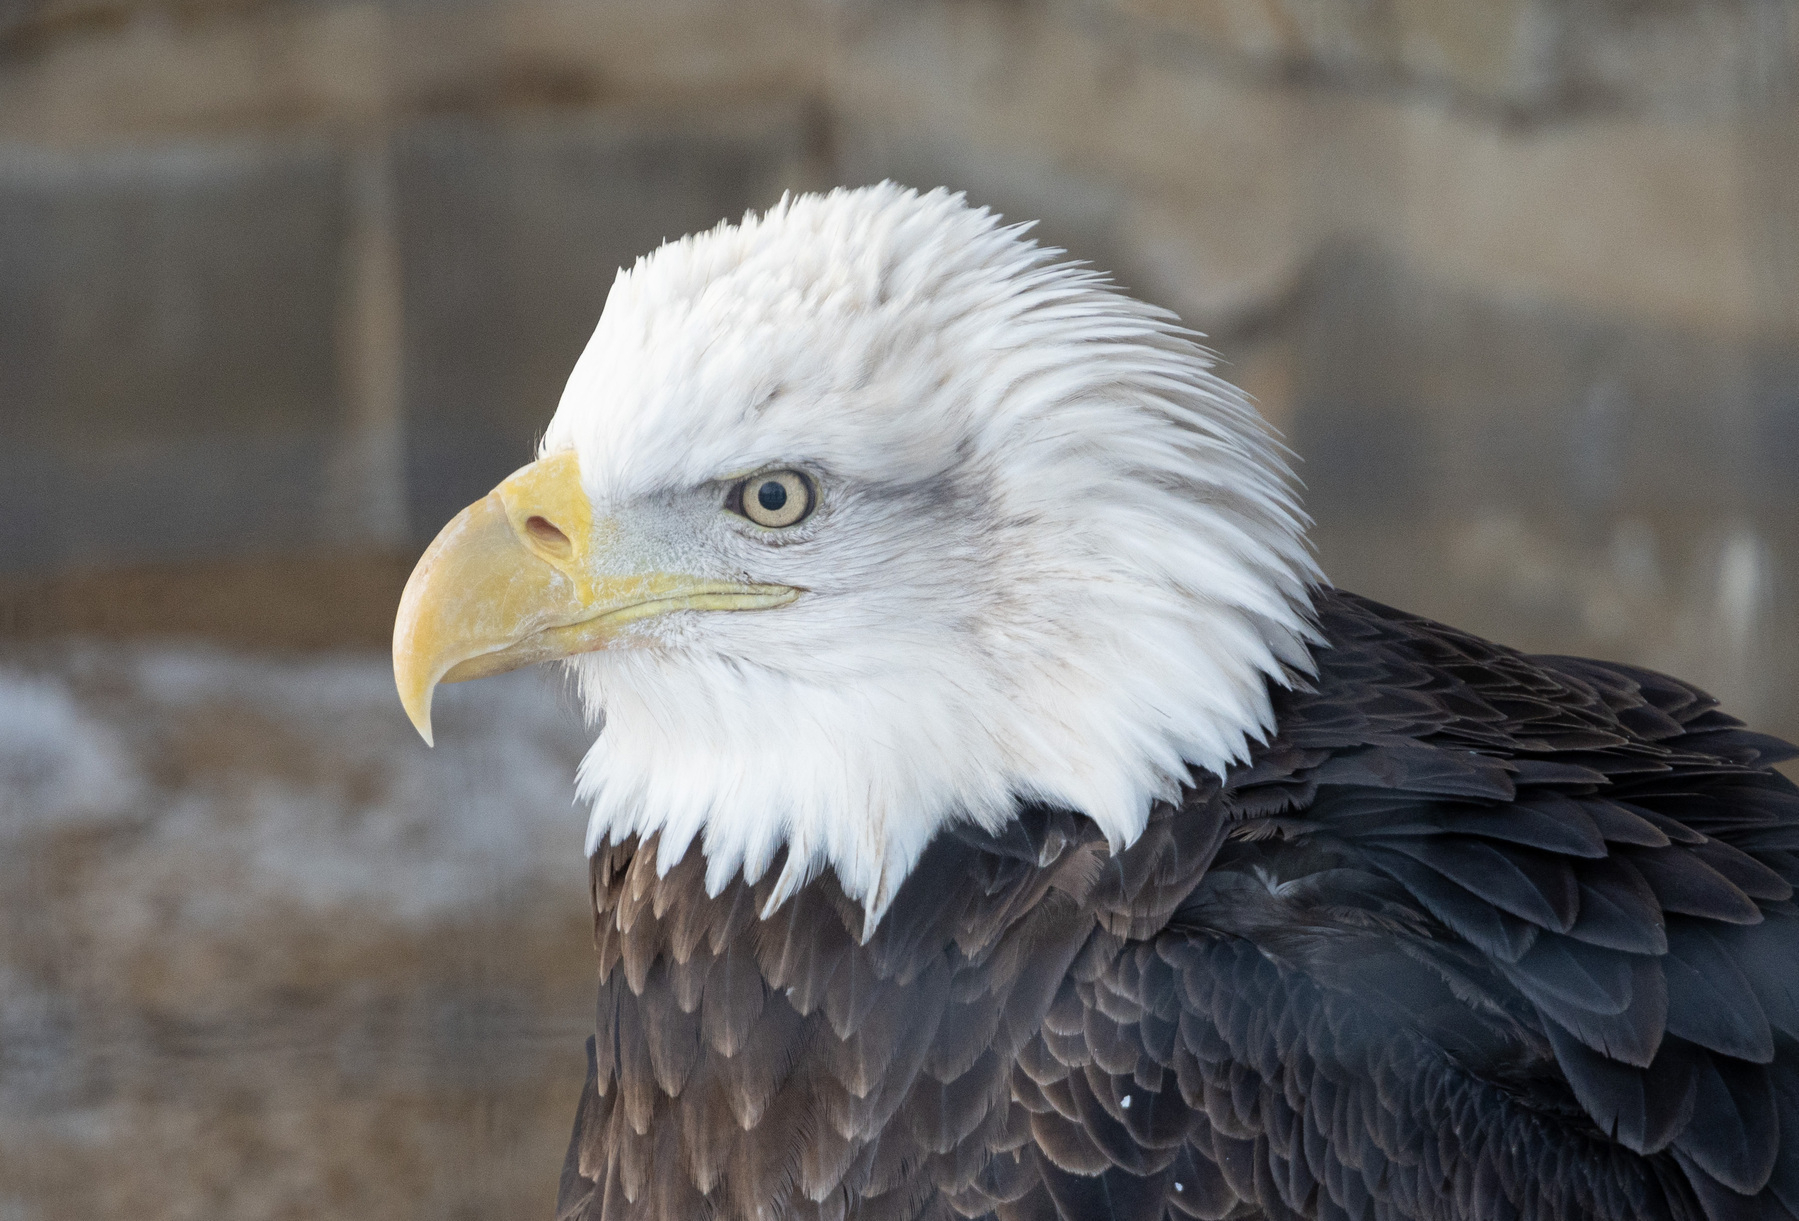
{"x": 544, "y": 533}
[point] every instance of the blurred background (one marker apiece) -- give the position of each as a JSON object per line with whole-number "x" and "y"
{"x": 284, "y": 283}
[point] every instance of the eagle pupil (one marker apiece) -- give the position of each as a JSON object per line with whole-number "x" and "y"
{"x": 771, "y": 496}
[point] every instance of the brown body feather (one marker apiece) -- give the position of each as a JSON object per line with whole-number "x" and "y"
{"x": 1475, "y": 935}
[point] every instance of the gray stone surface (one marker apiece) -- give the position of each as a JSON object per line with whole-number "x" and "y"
{"x": 511, "y": 234}
{"x": 173, "y": 323}
{"x": 1548, "y": 478}
{"x": 167, "y": 379}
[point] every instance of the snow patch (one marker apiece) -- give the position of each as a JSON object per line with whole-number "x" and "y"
{"x": 57, "y": 764}
{"x": 256, "y": 780}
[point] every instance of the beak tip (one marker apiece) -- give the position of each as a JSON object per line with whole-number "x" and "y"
{"x": 418, "y": 711}
{"x": 421, "y": 721}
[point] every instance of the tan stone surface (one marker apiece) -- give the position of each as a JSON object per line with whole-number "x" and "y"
{"x": 1260, "y": 171}
{"x": 1632, "y": 218}
{"x": 1530, "y": 60}
{"x": 1639, "y": 216}
{"x": 150, "y": 70}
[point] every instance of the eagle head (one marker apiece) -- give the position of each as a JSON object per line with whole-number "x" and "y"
{"x": 868, "y": 514}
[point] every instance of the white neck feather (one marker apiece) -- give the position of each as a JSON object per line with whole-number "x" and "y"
{"x": 1064, "y": 563}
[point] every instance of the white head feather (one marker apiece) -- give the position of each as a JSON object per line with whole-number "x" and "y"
{"x": 1054, "y": 558}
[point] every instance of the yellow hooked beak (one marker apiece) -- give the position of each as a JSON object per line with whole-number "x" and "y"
{"x": 526, "y": 574}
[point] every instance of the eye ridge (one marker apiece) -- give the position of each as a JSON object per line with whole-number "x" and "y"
{"x": 774, "y": 499}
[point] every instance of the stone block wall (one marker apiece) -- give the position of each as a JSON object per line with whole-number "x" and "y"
{"x": 1519, "y": 280}
{"x": 509, "y": 237}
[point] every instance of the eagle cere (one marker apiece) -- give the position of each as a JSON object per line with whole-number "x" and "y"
{"x": 995, "y": 812}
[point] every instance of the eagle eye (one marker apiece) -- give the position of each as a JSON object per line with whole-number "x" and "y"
{"x": 775, "y": 499}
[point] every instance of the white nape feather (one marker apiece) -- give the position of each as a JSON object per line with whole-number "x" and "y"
{"x": 1054, "y": 558}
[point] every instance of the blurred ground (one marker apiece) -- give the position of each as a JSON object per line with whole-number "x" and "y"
{"x": 284, "y": 283}
{"x": 263, "y": 955}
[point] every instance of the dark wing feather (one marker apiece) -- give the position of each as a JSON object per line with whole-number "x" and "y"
{"x": 1618, "y": 909}
{"x": 1491, "y": 936}
{"x": 1710, "y": 1000}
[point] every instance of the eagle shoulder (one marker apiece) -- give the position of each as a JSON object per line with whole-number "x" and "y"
{"x": 1491, "y": 932}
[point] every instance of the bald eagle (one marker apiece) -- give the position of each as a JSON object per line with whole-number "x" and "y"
{"x": 996, "y": 812}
